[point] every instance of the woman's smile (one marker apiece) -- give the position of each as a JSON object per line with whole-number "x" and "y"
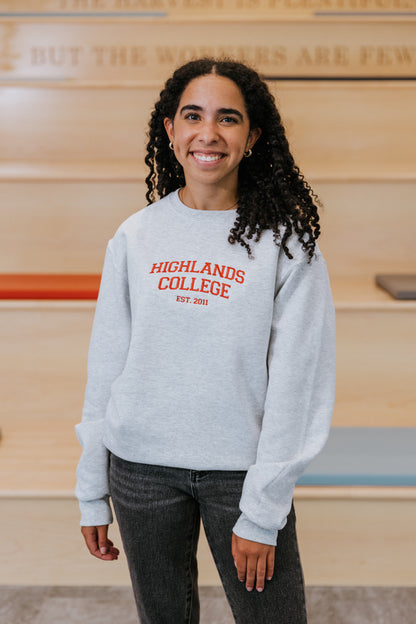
{"x": 207, "y": 158}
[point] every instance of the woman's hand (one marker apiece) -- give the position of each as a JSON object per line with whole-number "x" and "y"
{"x": 98, "y": 543}
{"x": 254, "y": 562}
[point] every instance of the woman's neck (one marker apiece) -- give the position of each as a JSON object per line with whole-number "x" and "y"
{"x": 220, "y": 199}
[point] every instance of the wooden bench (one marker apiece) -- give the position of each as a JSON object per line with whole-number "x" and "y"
{"x": 54, "y": 287}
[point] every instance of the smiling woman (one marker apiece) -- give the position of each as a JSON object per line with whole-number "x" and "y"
{"x": 211, "y": 364}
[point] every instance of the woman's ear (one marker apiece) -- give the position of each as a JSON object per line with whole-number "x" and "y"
{"x": 168, "y": 123}
{"x": 253, "y": 137}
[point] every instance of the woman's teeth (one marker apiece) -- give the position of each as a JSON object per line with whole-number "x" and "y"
{"x": 207, "y": 157}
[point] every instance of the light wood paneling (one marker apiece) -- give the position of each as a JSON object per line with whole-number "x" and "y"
{"x": 346, "y": 131}
{"x": 134, "y": 50}
{"x": 351, "y": 130}
{"x": 74, "y": 125}
{"x": 45, "y": 546}
{"x": 72, "y": 171}
{"x": 342, "y": 542}
{"x": 368, "y": 228}
{"x": 34, "y": 519}
{"x": 357, "y": 542}
{"x": 376, "y": 366}
{"x": 29, "y": 523}
{"x": 42, "y": 382}
{"x": 355, "y": 293}
{"x": 62, "y": 227}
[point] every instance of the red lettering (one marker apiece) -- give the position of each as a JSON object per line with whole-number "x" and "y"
{"x": 184, "y": 266}
{"x": 205, "y": 285}
{"x": 193, "y": 280}
{"x": 215, "y": 288}
{"x": 195, "y": 284}
{"x": 182, "y": 284}
{"x": 240, "y": 276}
{"x": 206, "y": 268}
{"x": 227, "y": 273}
{"x": 174, "y": 283}
{"x": 219, "y": 270}
{"x": 224, "y": 290}
{"x": 173, "y": 266}
{"x": 157, "y": 268}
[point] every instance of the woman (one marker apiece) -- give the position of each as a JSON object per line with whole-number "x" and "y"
{"x": 211, "y": 364}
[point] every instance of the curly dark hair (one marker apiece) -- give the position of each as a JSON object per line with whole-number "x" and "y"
{"x": 272, "y": 191}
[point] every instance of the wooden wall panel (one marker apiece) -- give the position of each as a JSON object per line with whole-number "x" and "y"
{"x": 357, "y": 542}
{"x": 368, "y": 228}
{"x": 73, "y": 125}
{"x": 376, "y": 364}
{"x": 341, "y": 131}
{"x": 43, "y": 374}
{"x": 93, "y": 51}
{"x": 44, "y": 353}
{"x": 351, "y": 130}
{"x": 342, "y": 542}
{"x": 28, "y": 522}
{"x": 62, "y": 227}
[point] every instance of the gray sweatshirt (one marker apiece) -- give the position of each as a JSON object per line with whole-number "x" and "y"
{"x": 206, "y": 359}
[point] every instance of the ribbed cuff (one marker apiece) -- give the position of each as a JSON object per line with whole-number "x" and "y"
{"x": 96, "y": 512}
{"x": 248, "y": 530}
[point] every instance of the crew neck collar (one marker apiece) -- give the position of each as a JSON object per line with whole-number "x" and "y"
{"x": 199, "y": 214}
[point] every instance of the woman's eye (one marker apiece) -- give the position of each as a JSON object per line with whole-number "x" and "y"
{"x": 229, "y": 120}
{"x": 192, "y": 116}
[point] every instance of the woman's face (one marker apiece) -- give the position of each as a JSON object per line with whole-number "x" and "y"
{"x": 211, "y": 131}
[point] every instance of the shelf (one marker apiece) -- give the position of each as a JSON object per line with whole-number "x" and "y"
{"x": 349, "y": 294}
{"x": 134, "y": 171}
{"x": 361, "y": 293}
{"x": 72, "y": 171}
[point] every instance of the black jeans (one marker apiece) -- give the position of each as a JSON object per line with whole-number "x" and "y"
{"x": 159, "y": 511}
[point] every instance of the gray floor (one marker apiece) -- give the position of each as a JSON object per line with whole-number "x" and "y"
{"x": 93, "y": 605}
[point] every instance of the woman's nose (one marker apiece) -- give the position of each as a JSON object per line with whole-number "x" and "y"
{"x": 208, "y": 132}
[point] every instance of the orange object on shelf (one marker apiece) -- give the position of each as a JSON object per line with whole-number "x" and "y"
{"x": 49, "y": 286}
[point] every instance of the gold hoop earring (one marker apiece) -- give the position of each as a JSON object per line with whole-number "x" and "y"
{"x": 248, "y": 153}
{"x": 171, "y": 145}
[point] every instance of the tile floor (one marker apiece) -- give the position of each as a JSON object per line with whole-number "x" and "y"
{"x": 98, "y": 605}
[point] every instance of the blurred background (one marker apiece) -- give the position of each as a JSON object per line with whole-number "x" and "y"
{"x": 78, "y": 79}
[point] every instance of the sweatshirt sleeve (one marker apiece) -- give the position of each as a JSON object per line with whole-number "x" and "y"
{"x": 299, "y": 400}
{"x": 107, "y": 355}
